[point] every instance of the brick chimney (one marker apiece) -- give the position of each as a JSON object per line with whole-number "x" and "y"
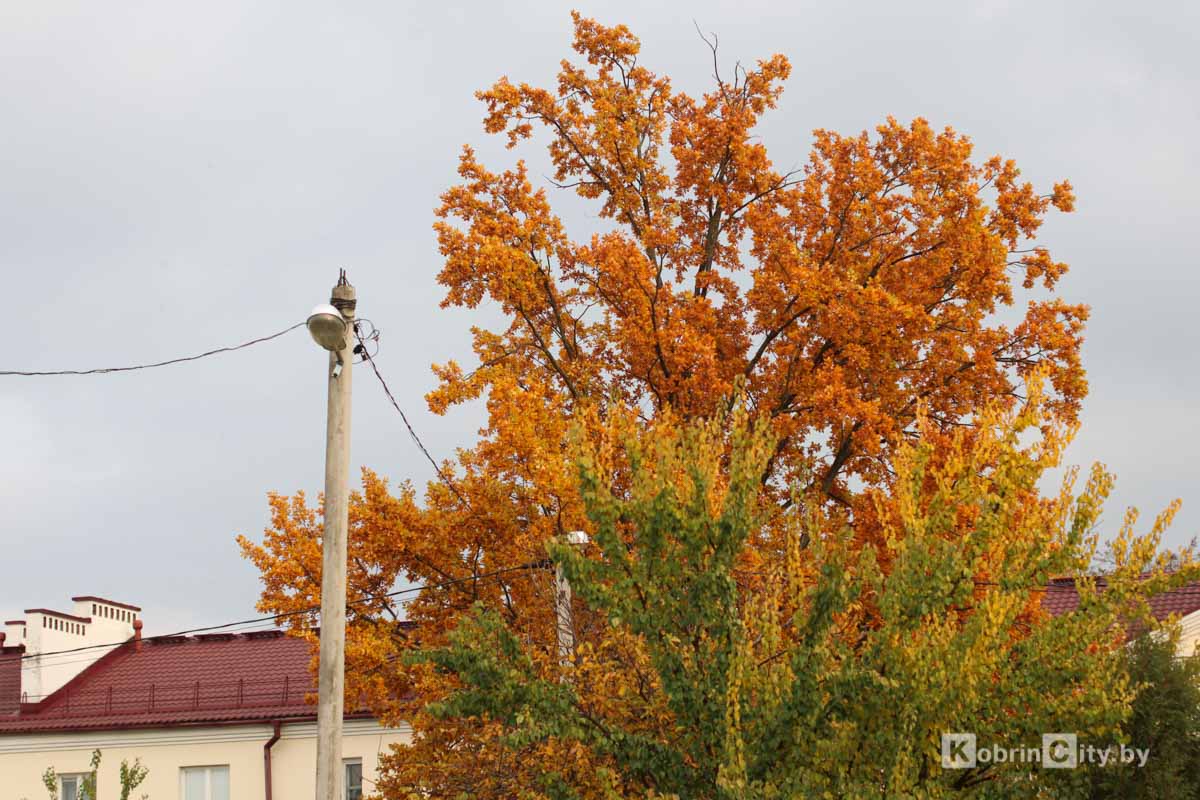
{"x": 93, "y": 621}
{"x": 10, "y": 675}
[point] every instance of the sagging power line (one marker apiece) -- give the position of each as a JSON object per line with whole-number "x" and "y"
{"x": 307, "y": 610}
{"x": 134, "y": 367}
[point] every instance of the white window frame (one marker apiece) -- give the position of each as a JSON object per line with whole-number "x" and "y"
{"x": 208, "y": 771}
{"x": 346, "y": 763}
{"x": 77, "y": 777}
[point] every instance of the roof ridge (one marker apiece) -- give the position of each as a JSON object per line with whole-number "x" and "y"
{"x": 215, "y": 636}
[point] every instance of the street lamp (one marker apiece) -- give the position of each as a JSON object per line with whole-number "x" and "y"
{"x": 330, "y": 326}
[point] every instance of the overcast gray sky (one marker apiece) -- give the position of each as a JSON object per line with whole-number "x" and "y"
{"x": 176, "y": 177}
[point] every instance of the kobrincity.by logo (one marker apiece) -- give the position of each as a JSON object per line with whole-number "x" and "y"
{"x": 1058, "y": 751}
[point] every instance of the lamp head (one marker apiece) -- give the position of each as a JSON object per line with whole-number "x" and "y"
{"x": 328, "y": 327}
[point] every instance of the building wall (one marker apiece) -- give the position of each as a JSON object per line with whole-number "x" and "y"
{"x": 1189, "y": 634}
{"x": 23, "y": 757}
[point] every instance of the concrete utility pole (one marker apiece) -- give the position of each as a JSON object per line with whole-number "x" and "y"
{"x": 332, "y": 327}
{"x": 564, "y": 619}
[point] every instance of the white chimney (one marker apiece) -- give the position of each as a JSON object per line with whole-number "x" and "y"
{"x": 14, "y": 632}
{"x": 93, "y": 622}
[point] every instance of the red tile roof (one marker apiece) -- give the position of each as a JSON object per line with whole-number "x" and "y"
{"x": 1061, "y": 597}
{"x": 183, "y": 680}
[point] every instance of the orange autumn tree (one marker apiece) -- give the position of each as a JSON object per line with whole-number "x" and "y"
{"x": 838, "y": 300}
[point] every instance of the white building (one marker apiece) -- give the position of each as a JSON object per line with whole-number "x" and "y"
{"x": 214, "y": 717}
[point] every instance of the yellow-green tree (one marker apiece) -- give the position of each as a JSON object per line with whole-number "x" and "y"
{"x": 837, "y": 673}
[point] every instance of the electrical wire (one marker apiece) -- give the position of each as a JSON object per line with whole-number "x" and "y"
{"x": 374, "y": 336}
{"x": 308, "y": 610}
{"x": 106, "y": 370}
{"x": 63, "y": 658}
{"x": 273, "y": 619}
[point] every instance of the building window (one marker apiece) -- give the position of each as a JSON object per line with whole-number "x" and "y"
{"x": 353, "y": 782}
{"x": 71, "y": 786}
{"x": 204, "y": 783}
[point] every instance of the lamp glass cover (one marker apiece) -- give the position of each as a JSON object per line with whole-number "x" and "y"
{"x": 327, "y": 327}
